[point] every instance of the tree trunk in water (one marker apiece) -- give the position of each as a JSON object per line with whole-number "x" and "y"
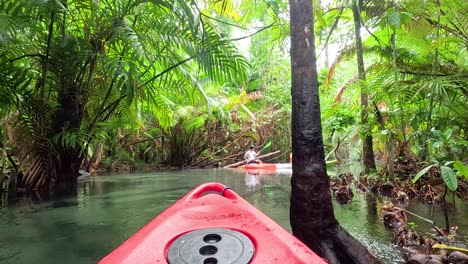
{"x": 311, "y": 213}
{"x": 12, "y": 186}
{"x": 367, "y": 145}
{"x": 424, "y": 154}
{"x": 390, "y": 161}
{"x": 68, "y": 117}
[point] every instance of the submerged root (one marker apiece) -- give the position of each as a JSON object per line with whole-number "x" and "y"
{"x": 431, "y": 194}
{"x": 458, "y": 257}
{"x": 344, "y": 195}
{"x": 393, "y": 217}
{"x": 341, "y": 188}
{"x": 419, "y": 258}
{"x": 418, "y": 249}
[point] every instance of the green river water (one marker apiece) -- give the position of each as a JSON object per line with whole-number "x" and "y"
{"x": 109, "y": 209}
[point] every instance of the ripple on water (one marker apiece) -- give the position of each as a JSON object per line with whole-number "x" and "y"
{"x": 109, "y": 209}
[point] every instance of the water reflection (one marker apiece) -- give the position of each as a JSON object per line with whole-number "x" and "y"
{"x": 253, "y": 180}
{"x": 108, "y": 209}
{"x": 371, "y": 201}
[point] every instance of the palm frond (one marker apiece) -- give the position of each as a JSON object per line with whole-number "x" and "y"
{"x": 345, "y": 54}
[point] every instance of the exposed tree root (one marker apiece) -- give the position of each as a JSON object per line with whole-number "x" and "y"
{"x": 341, "y": 187}
{"x": 417, "y": 249}
{"x": 342, "y": 248}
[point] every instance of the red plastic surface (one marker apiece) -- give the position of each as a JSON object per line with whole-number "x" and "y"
{"x": 206, "y": 207}
{"x": 260, "y": 171}
{"x": 263, "y": 166}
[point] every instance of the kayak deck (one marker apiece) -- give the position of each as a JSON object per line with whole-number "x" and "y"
{"x": 212, "y": 206}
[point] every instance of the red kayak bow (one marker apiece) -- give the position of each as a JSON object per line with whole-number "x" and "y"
{"x": 212, "y": 225}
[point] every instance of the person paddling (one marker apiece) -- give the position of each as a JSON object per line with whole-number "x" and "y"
{"x": 250, "y": 155}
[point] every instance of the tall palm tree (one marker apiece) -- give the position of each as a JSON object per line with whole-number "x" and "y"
{"x": 311, "y": 213}
{"x": 367, "y": 145}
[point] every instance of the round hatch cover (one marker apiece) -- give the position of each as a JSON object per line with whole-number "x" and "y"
{"x": 211, "y": 246}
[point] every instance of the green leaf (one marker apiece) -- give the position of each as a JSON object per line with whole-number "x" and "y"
{"x": 195, "y": 123}
{"x": 130, "y": 87}
{"x": 461, "y": 168}
{"x": 90, "y": 151}
{"x": 448, "y": 163}
{"x": 422, "y": 172}
{"x": 394, "y": 20}
{"x": 405, "y": 17}
{"x": 140, "y": 8}
{"x": 450, "y": 178}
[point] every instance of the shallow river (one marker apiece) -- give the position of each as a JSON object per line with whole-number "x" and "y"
{"x": 109, "y": 209}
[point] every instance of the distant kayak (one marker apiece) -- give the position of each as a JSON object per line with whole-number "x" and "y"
{"x": 212, "y": 224}
{"x": 267, "y": 168}
{"x": 274, "y": 166}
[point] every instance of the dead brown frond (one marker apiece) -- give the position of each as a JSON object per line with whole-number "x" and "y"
{"x": 339, "y": 95}
{"x": 33, "y": 150}
{"x": 345, "y": 54}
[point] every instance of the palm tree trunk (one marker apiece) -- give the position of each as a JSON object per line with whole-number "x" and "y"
{"x": 367, "y": 145}
{"x": 45, "y": 63}
{"x": 311, "y": 214}
{"x": 425, "y": 151}
{"x": 68, "y": 116}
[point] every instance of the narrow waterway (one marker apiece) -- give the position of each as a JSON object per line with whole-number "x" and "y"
{"x": 110, "y": 208}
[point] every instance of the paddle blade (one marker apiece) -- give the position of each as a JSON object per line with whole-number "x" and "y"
{"x": 266, "y": 146}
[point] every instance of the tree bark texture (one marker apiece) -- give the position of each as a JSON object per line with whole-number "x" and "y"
{"x": 68, "y": 116}
{"x": 367, "y": 145}
{"x": 311, "y": 206}
{"x": 311, "y": 214}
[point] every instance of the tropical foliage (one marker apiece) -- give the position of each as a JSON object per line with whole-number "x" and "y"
{"x": 72, "y": 67}
{"x": 416, "y": 77}
{"x": 192, "y": 83}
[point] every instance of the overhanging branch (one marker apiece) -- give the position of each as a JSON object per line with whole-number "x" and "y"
{"x": 27, "y": 55}
{"x": 168, "y": 69}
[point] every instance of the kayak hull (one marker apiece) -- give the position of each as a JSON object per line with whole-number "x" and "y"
{"x": 275, "y": 166}
{"x": 267, "y": 168}
{"x": 212, "y": 205}
{"x": 258, "y": 166}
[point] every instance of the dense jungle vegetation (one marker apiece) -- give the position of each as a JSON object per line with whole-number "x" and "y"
{"x": 123, "y": 85}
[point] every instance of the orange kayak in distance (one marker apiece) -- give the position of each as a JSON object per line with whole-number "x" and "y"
{"x": 267, "y": 168}
{"x": 263, "y": 166}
